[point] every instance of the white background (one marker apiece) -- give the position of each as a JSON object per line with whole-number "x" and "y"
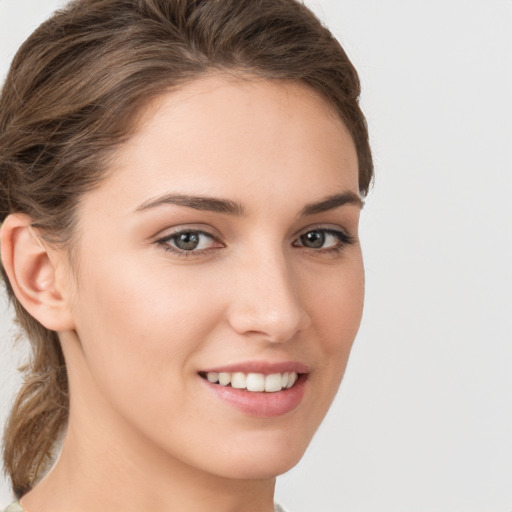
{"x": 424, "y": 418}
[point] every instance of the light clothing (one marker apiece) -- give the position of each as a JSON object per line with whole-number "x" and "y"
{"x": 14, "y": 507}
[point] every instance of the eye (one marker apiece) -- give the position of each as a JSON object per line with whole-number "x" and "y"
{"x": 188, "y": 241}
{"x": 326, "y": 239}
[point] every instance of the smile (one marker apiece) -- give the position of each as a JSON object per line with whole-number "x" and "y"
{"x": 254, "y": 382}
{"x": 262, "y": 390}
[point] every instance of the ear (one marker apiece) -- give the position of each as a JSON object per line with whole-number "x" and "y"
{"x": 33, "y": 273}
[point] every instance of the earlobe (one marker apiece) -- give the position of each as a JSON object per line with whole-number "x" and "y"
{"x": 32, "y": 272}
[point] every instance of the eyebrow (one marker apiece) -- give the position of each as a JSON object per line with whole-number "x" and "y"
{"x": 332, "y": 202}
{"x": 209, "y": 204}
{"x": 229, "y": 207}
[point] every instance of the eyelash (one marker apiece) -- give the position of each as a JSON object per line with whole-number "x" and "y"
{"x": 165, "y": 242}
{"x": 344, "y": 239}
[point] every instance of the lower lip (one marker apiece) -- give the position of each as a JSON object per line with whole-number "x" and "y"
{"x": 264, "y": 405}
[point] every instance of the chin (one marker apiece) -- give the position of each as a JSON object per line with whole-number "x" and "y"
{"x": 262, "y": 460}
{"x": 261, "y": 470}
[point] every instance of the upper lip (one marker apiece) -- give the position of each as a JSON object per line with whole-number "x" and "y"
{"x": 264, "y": 367}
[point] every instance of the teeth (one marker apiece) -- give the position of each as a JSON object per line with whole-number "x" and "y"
{"x": 238, "y": 380}
{"x": 292, "y": 378}
{"x": 255, "y": 382}
{"x": 273, "y": 382}
{"x": 213, "y": 377}
{"x": 224, "y": 378}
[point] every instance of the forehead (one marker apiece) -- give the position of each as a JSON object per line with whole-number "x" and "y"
{"x": 224, "y": 135}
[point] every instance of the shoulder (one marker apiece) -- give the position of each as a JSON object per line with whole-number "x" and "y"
{"x": 14, "y": 507}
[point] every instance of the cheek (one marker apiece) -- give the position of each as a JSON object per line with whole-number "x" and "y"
{"x": 140, "y": 332}
{"x": 337, "y": 304}
{"x": 337, "y": 310}
{"x": 137, "y": 320}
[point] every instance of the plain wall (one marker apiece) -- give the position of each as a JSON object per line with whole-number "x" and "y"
{"x": 423, "y": 421}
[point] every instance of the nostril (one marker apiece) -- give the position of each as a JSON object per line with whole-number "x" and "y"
{"x": 272, "y": 325}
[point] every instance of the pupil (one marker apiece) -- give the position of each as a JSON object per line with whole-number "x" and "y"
{"x": 313, "y": 239}
{"x": 187, "y": 241}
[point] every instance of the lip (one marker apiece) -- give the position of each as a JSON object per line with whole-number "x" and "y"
{"x": 264, "y": 367}
{"x": 261, "y": 404}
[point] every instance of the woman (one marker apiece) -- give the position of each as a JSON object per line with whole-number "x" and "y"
{"x": 181, "y": 188}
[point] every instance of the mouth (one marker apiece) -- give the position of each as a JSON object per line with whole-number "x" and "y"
{"x": 254, "y": 382}
{"x": 259, "y": 388}
{"x": 262, "y": 389}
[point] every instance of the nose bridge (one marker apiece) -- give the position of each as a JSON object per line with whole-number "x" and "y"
{"x": 266, "y": 300}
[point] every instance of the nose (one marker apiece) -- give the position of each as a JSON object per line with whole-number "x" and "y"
{"x": 265, "y": 299}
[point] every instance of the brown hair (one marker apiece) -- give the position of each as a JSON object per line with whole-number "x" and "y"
{"x": 72, "y": 96}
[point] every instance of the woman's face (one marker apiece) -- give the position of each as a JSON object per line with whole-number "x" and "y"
{"x": 221, "y": 252}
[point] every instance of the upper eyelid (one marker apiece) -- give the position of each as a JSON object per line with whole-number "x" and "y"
{"x": 329, "y": 231}
{"x": 165, "y": 241}
{"x": 170, "y": 232}
{"x": 344, "y": 236}
{"x": 333, "y": 228}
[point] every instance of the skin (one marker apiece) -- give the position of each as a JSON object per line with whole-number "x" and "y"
{"x": 138, "y": 321}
